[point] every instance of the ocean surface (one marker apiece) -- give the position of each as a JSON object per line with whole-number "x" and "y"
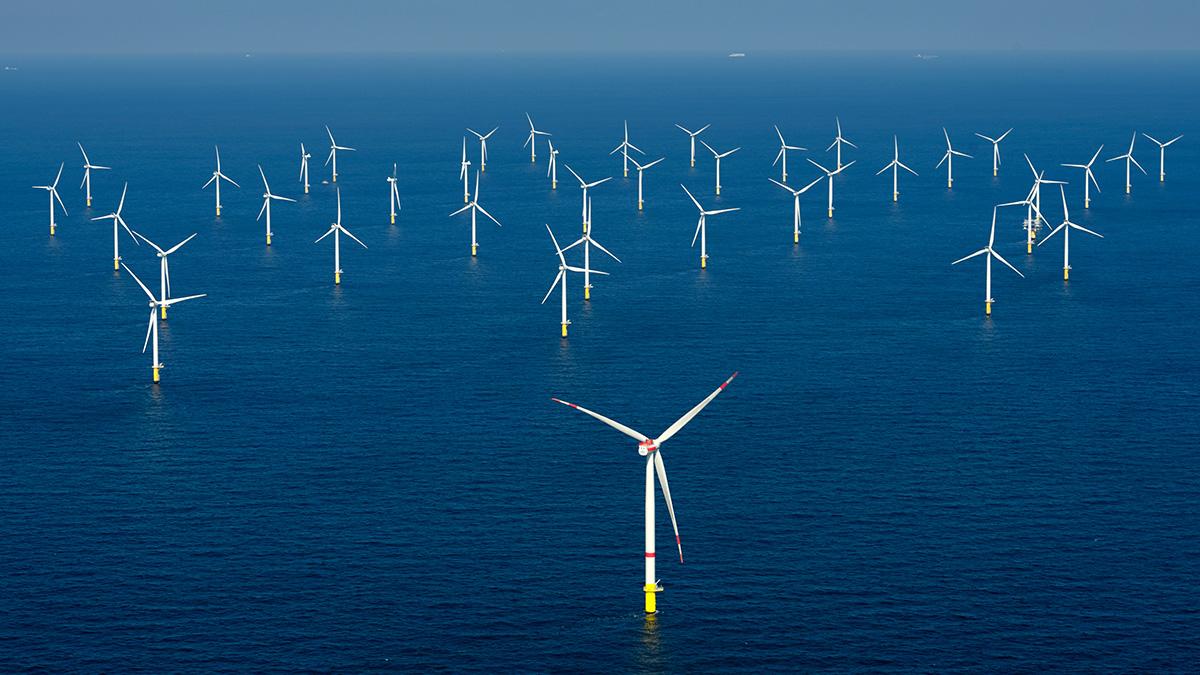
{"x": 373, "y": 476}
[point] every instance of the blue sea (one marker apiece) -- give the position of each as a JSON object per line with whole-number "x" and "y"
{"x": 372, "y": 476}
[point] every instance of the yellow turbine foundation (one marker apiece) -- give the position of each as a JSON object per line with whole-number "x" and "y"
{"x": 1066, "y": 273}
{"x": 393, "y": 219}
{"x": 703, "y": 262}
{"x": 51, "y": 230}
{"x": 587, "y": 292}
{"x": 155, "y": 374}
{"x": 337, "y": 278}
{"x": 164, "y": 311}
{"x": 116, "y": 264}
{"x": 718, "y": 190}
{"x": 218, "y": 211}
{"x": 554, "y": 185}
{"x": 335, "y": 177}
{"x": 994, "y": 172}
{"x": 895, "y": 196}
{"x": 831, "y": 212}
{"x": 987, "y": 308}
{"x": 268, "y": 240}
{"x": 564, "y": 330}
{"x": 305, "y": 189}
{"x": 652, "y": 591}
{"x": 1028, "y": 247}
{"x": 472, "y": 250}
{"x": 89, "y": 202}
{"x": 795, "y": 237}
{"x": 639, "y": 205}
{"x": 626, "y": 173}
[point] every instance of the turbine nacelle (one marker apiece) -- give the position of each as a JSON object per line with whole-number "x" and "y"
{"x": 646, "y": 447}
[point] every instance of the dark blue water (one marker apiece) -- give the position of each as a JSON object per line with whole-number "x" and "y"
{"x": 373, "y": 476}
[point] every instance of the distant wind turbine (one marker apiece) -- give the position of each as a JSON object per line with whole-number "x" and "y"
{"x": 585, "y": 186}
{"x": 783, "y": 150}
{"x": 531, "y": 140}
{"x": 641, "y": 168}
{"x": 464, "y": 171}
{"x": 1088, "y": 177}
{"x": 267, "y": 197}
{"x": 216, "y": 179}
{"x": 692, "y": 138}
{"x": 475, "y": 208}
{"x": 995, "y": 149}
{"x": 337, "y": 229}
{"x": 1066, "y": 228}
{"x": 395, "y": 193}
{"x": 88, "y": 167}
{"x": 483, "y": 138}
{"x": 1162, "y": 154}
{"x": 948, "y": 160}
{"x": 552, "y": 169}
{"x": 560, "y": 280}
{"x": 829, "y": 176}
{"x": 838, "y": 142}
{"x": 796, "y": 204}
{"x": 333, "y": 151}
{"x": 990, "y": 252}
{"x": 164, "y": 267}
{"x": 588, "y": 243}
{"x": 152, "y": 328}
{"x": 53, "y": 190}
{"x": 895, "y": 165}
{"x": 624, "y": 149}
{"x": 1128, "y": 157}
{"x": 702, "y": 227}
{"x": 119, "y": 222}
{"x": 304, "y": 157}
{"x": 718, "y": 156}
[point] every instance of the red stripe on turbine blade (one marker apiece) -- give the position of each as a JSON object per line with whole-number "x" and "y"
{"x": 649, "y": 554}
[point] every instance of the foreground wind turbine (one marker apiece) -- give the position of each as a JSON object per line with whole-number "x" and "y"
{"x": 304, "y": 157}
{"x": 991, "y": 253}
{"x": 588, "y": 243}
{"x": 650, "y": 449}
{"x": 624, "y": 149}
{"x": 895, "y": 165}
{"x": 164, "y": 267}
{"x": 995, "y": 149}
{"x": 692, "y": 138}
{"x": 152, "y": 329}
{"x": 702, "y": 227}
{"x": 266, "y": 207}
{"x": 1088, "y": 176}
{"x": 796, "y": 204}
{"x": 483, "y": 146}
{"x": 88, "y": 167}
{"x": 53, "y": 190}
{"x": 395, "y": 193}
{"x": 829, "y": 176}
{"x": 1128, "y": 157}
{"x": 531, "y": 140}
{"x": 119, "y": 222}
{"x": 1162, "y": 154}
{"x": 838, "y": 142}
{"x": 336, "y": 229}
{"x": 216, "y": 179}
{"x": 333, "y": 150}
{"x": 560, "y": 280}
{"x": 783, "y": 150}
{"x": 718, "y": 156}
{"x": 585, "y": 186}
{"x": 640, "y": 169}
{"x": 552, "y": 170}
{"x": 1033, "y": 205}
{"x": 948, "y": 159}
{"x": 1066, "y": 227}
{"x": 475, "y": 208}
{"x": 464, "y": 171}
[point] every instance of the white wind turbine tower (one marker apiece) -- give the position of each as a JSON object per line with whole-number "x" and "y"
{"x": 475, "y": 208}
{"x": 216, "y": 179}
{"x": 1066, "y": 228}
{"x": 119, "y": 222}
{"x": 702, "y": 227}
{"x": 483, "y": 146}
{"x": 561, "y": 280}
{"x": 838, "y": 142}
{"x": 1033, "y": 205}
{"x": 1128, "y": 157}
{"x": 640, "y": 169}
{"x": 552, "y": 170}
{"x": 783, "y": 150}
{"x": 995, "y": 149}
{"x": 796, "y": 204}
{"x": 464, "y": 171}
{"x": 588, "y": 243}
{"x": 1162, "y": 154}
{"x": 718, "y": 156}
{"x": 336, "y": 229}
{"x": 948, "y": 160}
{"x": 304, "y": 157}
{"x": 266, "y": 207}
{"x": 895, "y": 165}
{"x": 585, "y": 186}
{"x": 164, "y": 267}
{"x": 333, "y": 151}
{"x": 624, "y": 149}
{"x": 651, "y": 450}
{"x": 990, "y": 252}
{"x": 152, "y": 328}
{"x": 53, "y": 190}
{"x": 829, "y": 176}
{"x": 88, "y": 167}
{"x": 531, "y": 140}
{"x": 394, "y": 198}
{"x": 1088, "y": 176}
{"x": 692, "y": 138}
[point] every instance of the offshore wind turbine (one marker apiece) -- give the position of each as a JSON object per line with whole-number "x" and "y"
{"x": 337, "y": 229}
{"x": 990, "y": 252}
{"x": 995, "y": 149}
{"x": 304, "y": 157}
{"x": 531, "y": 140}
{"x": 640, "y": 169}
{"x": 838, "y": 142}
{"x": 394, "y": 197}
{"x": 267, "y": 197}
{"x": 475, "y": 208}
{"x": 464, "y": 168}
{"x": 152, "y": 328}
{"x": 588, "y": 243}
{"x": 1033, "y": 205}
{"x": 585, "y": 186}
{"x": 88, "y": 167}
{"x": 796, "y": 204}
{"x": 829, "y": 176}
{"x": 692, "y": 139}
{"x": 783, "y": 150}
{"x": 895, "y": 165}
{"x": 651, "y": 450}
{"x": 718, "y": 156}
{"x": 53, "y": 190}
{"x": 164, "y": 267}
{"x": 483, "y": 146}
{"x": 216, "y": 179}
{"x": 1128, "y": 157}
{"x": 552, "y": 170}
{"x": 119, "y": 222}
{"x": 333, "y": 151}
{"x": 560, "y": 280}
{"x": 1162, "y": 154}
{"x": 702, "y": 227}
{"x": 948, "y": 160}
{"x": 624, "y": 149}
{"x": 1066, "y": 228}
{"x": 1088, "y": 176}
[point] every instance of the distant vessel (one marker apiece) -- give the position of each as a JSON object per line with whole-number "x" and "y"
{"x": 737, "y": 55}
{"x": 11, "y": 68}
{"x": 925, "y": 57}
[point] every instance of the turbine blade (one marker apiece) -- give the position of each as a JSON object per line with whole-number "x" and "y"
{"x": 687, "y": 417}
{"x": 666, "y": 490}
{"x": 612, "y": 423}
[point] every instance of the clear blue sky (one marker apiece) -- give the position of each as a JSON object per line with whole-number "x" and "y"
{"x": 329, "y": 26}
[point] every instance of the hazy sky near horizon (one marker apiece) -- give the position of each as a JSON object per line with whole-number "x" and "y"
{"x": 363, "y": 26}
